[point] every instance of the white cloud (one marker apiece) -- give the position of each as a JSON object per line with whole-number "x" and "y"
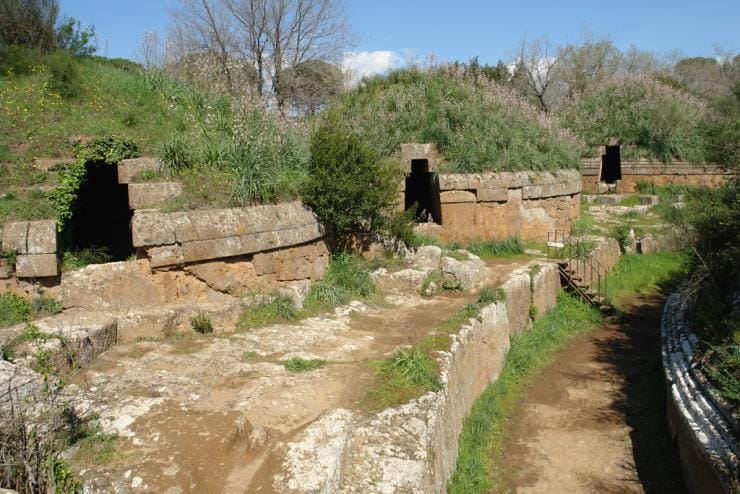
{"x": 361, "y": 64}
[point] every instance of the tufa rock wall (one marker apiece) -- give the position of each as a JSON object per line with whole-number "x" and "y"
{"x": 413, "y": 448}
{"x": 172, "y": 239}
{"x": 497, "y": 205}
{"x": 35, "y": 246}
{"x": 656, "y": 173}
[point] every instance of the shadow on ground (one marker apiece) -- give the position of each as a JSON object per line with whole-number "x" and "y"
{"x": 632, "y": 349}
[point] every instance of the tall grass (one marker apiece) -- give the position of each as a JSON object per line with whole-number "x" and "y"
{"x": 346, "y": 279}
{"x": 490, "y": 249}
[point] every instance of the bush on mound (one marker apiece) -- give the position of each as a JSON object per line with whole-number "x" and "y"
{"x": 649, "y": 119}
{"x": 477, "y": 124}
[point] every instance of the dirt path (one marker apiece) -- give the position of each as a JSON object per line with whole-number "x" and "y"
{"x": 594, "y": 421}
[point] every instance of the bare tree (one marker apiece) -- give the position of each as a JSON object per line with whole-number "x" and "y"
{"x": 535, "y": 69}
{"x": 586, "y": 63}
{"x": 30, "y": 23}
{"x": 271, "y": 35}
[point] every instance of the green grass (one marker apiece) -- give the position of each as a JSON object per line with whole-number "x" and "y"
{"x": 97, "y": 449}
{"x": 585, "y": 224}
{"x": 643, "y": 274}
{"x": 411, "y": 372}
{"x": 298, "y": 365}
{"x": 15, "y": 309}
{"x": 78, "y": 259}
{"x": 482, "y": 437}
{"x": 493, "y": 249}
{"x": 278, "y": 309}
{"x": 405, "y": 375}
{"x": 477, "y": 127}
{"x": 485, "y": 249}
{"x": 630, "y": 201}
{"x": 481, "y": 444}
{"x": 346, "y": 279}
{"x": 113, "y": 101}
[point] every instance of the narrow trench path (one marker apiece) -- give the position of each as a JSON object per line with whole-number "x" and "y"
{"x": 595, "y": 419}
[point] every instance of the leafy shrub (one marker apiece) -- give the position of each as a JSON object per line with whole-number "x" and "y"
{"x": 478, "y": 124}
{"x": 650, "y": 119}
{"x": 74, "y": 39}
{"x": 721, "y": 130}
{"x": 621, "y": 233}
{"x": 349, "y": 186}
{"x": 201, "y": 323}
{"x": 302, "y": 365}
{"x": 17, "y": 60}
{"x": 400, "y": 227}
{"x": 13, "y": 309}
{"x": 64, "y": 75}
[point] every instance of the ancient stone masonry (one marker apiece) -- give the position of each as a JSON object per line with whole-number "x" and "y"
{"x": 488, "y": 206}
{"x": 413, "y": 447}
{"x": 35, "y": 246}
{"x": 704, "y": 426}
{"x": 633, "y": 172}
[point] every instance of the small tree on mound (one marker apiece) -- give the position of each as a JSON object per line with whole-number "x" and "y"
{"x": 650, "y": 119}
{"x": 350, "y": 187}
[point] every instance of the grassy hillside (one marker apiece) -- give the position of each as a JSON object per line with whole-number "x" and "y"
{"x": 479, "y": 125}
{"x": 56, "y": 100}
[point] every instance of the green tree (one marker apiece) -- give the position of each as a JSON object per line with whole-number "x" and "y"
{"x": 349, "y": 187}
{"x": 72, "y": 37}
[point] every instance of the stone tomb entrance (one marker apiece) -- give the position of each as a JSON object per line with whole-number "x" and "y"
{"x": 611, "y": 165}
{"x": 422, "y": 192}
{"x": 101, "y": 218}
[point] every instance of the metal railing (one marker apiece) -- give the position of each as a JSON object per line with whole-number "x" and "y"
{"x": 580, "y": 269}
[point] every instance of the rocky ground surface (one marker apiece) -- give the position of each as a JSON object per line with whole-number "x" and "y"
{"x": 215, "y": 413}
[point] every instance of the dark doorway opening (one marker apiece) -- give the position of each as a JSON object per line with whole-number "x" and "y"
{"x": 101, "y": 219}
{"x": 611, "y": 165}
{"x": 422, "y": 192}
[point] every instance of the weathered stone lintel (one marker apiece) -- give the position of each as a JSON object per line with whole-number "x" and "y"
{"x": 508, "y": 180}
{"x": 201, "y": 250}
{"x": 144, "y": 195}
{"x": 456, "y": 196}
{"x": 30, "y": 237}
{"x": 130, "y": 169}
{"x": 153, "y": 228}
{"x": 36, "y": 266}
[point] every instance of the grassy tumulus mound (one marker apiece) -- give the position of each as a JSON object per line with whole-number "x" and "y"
{"x": 478, "y": 125}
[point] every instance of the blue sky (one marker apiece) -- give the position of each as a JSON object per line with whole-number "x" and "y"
{"x": 391, "y": 31}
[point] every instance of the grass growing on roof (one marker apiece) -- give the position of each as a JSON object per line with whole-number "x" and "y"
{"x": 478, "y": 125}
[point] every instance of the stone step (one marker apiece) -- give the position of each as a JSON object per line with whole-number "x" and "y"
{"x": 144, "y": 195}
{"x": 129, "y": 170}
